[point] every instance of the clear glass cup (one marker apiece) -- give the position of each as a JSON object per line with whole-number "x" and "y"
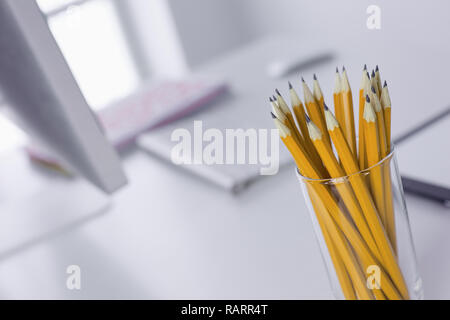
{"x": 362, "y": 226}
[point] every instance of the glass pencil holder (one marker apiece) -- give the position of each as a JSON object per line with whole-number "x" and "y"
{"x": 362, "y": 226}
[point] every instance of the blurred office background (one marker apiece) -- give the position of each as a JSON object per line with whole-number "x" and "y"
{"x": 113, "y": 45}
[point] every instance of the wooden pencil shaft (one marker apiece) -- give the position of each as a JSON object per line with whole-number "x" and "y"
{"x": 314, "y": 111}
{"x": 344, "y": 189}
{"x": 341, "y": 220}
{"x": 338, "y": 240}
{"x": 359, "y": 231}
{"x": 362, "y": 193}
{"x": 348, "y": 113}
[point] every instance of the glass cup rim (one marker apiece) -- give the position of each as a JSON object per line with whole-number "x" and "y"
{"x": 347, "y": 177}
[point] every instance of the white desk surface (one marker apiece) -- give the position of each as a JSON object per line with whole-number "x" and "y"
{"x": 172, "y": 236}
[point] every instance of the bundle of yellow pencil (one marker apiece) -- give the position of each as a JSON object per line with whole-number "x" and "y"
{"x": 356, "y": 216}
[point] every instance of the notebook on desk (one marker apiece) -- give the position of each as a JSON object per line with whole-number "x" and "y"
{"x": 252, "y": 72}
{"x": 223, "y": 116}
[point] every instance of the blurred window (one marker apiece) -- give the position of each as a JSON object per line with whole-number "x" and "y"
{"x": 91, "y": 37}
{"x": 101, "y": 49}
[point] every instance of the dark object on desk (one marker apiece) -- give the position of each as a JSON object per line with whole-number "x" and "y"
{"x": 427, "y": 190}
{"x": 285, "y": 67}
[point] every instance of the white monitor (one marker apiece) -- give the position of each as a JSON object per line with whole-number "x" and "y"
{"x": 45, "y": 99}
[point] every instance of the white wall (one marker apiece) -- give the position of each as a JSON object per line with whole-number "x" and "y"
{"x": 210, "y": 27}
{"x": 153, "y": 37}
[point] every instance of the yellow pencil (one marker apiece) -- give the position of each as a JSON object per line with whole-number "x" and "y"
{"x": 287, "y": 112}
{"x": 318, "y": 94}
{"x": 356, "y": 217}
{"x": 365, "y": 83}
{"x": 390, "y": 215}
{"x": 322, "y": 196}
{"x": 338, "y": 100}
{"x": 388, "y": 210}
{"x": 386, "y": 104}
{"x": 373, "y": 82}
{"x": 373, "y": 151}
{"x": 362, "y": 193}
{"x": 308, "y": 169}
{"x": 334, "y": 168}
{"x": 314, "y": 110}
{"x": 288, "y": 121}
{"x": 347, "y": 268}
{"x": 276, "y": 110}
{"x": 380, "y": 124}
{"x": 348, "y": 114}
{"x": 378, "y": 78}
{"x": 299, "y": 112}
{"x": 343, "y": 276}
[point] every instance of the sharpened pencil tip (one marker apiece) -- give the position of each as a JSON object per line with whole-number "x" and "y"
{"x": 377, "y": 69}
{"x": 303, "y": 80}
{"x": 273, "y": 116}
{"x": 308, "y": 119}
{"x": 367, "y": 98}
{"x": 365, "y": 67}
{"x": 315, "y": 77}
{"x": 325, "y": 107}
{"x": 373, "y": 90}
{"x": 343, "y": 68}
{"x": 373, "y": 73}
{"x": 278, "y": 92}
{"x": 290, "y": 85}
{"x": 274, "y": 99}
{"x": 337, "y": 70}
{"x": 270, "y": 99}
{"x": 385, "y": 84}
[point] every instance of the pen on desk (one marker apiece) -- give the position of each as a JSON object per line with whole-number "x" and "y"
{"x": 427, "y": 190}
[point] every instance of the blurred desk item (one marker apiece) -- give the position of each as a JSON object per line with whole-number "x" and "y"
{"x": 427, "y": 190}
{"x": 154, "y": 104}
{"x": 298, "y": 61}
{"x": 425, "y": 159}
{"x": 246, "y": 70}
{"x": 157, "y": 104}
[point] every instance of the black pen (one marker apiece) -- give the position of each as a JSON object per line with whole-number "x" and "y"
{"x": 427, "y": 190}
